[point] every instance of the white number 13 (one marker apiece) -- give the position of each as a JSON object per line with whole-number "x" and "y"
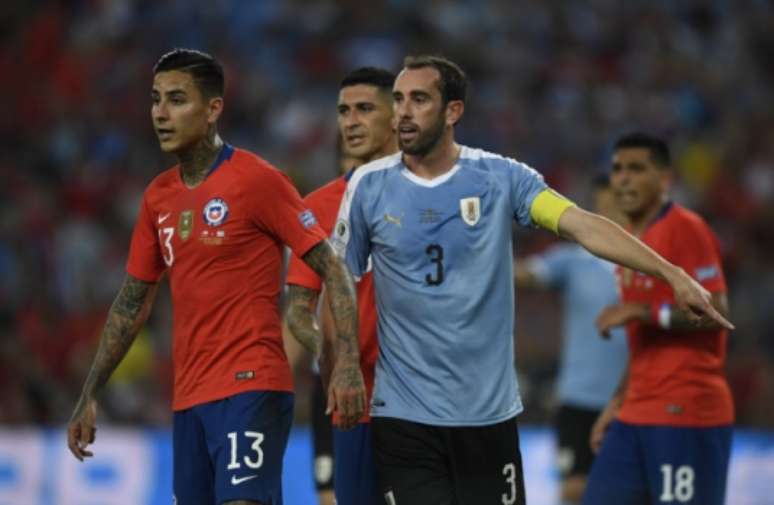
{"x": 254, "y": 464}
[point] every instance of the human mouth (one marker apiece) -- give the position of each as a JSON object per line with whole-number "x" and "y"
{"x": 164, "y": 133}
{"x": 407, "y": 131}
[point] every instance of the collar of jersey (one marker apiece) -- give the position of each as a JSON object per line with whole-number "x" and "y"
{"x": 224, "y": 155}
{"x": 429, "y": 183}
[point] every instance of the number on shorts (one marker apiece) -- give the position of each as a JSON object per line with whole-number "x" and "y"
{"x": 509, "y": 471}
{"x": 682, "y": 487}
{"x": 256, "y": 446}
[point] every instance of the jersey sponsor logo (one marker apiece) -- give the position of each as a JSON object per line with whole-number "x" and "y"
{"x": 215, "y": 212}
{"x": 235, "y": 481}
{"x": 248, "y": 374}
{"x": 163, "y": 217}
{"x": 185, "y": 224}
{"x": 307, "y": 219}
{"x": 470, "y": 209}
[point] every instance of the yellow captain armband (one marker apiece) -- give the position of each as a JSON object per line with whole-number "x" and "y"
{"x": 547, "y": 208}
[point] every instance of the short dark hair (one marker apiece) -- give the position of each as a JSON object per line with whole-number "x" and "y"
{"x": 659, "y": 151}
{"x": 206, "y": 71}
{"x": 374, "y": 76}
{"x": 453, "y": 82}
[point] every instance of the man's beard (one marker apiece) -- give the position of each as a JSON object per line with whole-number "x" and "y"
{"x": 426, "y": 140}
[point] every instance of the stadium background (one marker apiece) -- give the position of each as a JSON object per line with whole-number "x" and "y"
{"x": 552, "y": 83}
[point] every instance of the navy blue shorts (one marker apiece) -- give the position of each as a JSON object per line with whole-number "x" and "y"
{"x": 649, "y": 465}
{"x": 232, "y": 449}
{"x": 354, "y": 467}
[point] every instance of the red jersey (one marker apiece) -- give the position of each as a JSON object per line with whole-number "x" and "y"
{"x": 221, "y": 246}
{"x": 325, "y": 202}
{"x": 676, "y": 378}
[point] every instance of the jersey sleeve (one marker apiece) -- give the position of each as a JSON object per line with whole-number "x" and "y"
{"x": 299, "y": 273}
{"x": 525, "y": 184}
{"x": 278, "y": 208}
{"x": 698, "y": 253}
{"x": 145, "y": 260}
{"x": 350, "y": 235}
{"x": 550, "y": 268}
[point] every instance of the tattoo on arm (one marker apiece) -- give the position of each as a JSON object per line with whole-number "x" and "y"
{"x": 127, "y": 315}
{"x": 301, "y": 318}
{"x": 340, "y": 291}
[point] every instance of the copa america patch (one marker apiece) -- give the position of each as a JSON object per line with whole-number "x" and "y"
{"x": 307, "y": 218}
{"x": 215, "y": 212}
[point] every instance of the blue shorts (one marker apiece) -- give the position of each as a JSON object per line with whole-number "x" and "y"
{"x": 232, "y": 449}
{"x": 354, "y": 468}
{"x": 648, "y": 465}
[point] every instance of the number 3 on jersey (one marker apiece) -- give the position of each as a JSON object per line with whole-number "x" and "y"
{"x": 435, "y": 252}
{"x": 165, "y": 237}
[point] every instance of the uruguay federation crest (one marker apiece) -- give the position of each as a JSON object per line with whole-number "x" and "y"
{"x": 470, "y": 209}
{"x": 215, "y": 212}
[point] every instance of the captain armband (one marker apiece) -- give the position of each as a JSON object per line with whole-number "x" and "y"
{"x": 547, "y": 207}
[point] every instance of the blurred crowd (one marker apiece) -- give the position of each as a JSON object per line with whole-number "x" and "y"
{"x": 552, "y": 84}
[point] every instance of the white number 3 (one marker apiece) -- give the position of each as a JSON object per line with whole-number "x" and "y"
{"x": 256, "y": 446}
{"x": 167, "y": 239}
{"x": 509, "y": 471}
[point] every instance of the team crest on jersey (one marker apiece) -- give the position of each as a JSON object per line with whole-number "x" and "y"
{"x": 185, "y": 224}
{"x": 470, "y": 209}
{"x": 215, "y": 212}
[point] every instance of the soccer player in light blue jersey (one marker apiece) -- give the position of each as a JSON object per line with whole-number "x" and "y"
{"x": 433, "y": 222}
{"x": 587, "y": 285}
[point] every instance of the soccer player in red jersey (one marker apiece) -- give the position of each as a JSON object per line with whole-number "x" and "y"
{"x": 665, "y": 436}
{"x": 365, "y": 121}
{"x": 215, "y": 224}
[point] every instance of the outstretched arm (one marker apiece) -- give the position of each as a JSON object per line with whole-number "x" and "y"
{"x": 346, "y": 392}
{"x": 606, "y": 239}
{"x": 126, "y": 317}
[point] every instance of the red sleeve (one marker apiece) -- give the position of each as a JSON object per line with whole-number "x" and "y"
{"x": 145, "y": 261}
{"x": 300, "y": 274}
{"x": 697, "y": 251}
{"x": 279, "y": 209}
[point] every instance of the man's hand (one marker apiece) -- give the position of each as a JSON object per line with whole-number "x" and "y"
{"x": 346, "y": 392}
{"x": 600, "y": 426}
{"x": 82, "y": 428}
{"x": 618, "y": 315}
{"x": 694, "y": 300}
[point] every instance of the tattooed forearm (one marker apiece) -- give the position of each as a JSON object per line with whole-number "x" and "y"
{"x": 340, "y": 294}
{"x": 127, "y": 315}
{"x": 300, "y": 316}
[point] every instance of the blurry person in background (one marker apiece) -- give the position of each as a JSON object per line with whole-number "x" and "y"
{"x": 366, "y": 130}
{"x": 590, "y": 368}
{"x": 215, "y": 224}
{"x": 665, "y": 436}
{"x": 434, "y": 224}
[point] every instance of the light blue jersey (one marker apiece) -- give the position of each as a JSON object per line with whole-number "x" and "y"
{"x": 591, "y": 367}
{"x": 442, "y": 259}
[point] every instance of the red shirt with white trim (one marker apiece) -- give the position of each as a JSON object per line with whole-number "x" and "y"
{"x": 676, "y": 378}
{"x": 221, "y": 244}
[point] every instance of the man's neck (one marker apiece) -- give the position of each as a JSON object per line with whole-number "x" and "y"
{"x": 437, "y": 162}
{"x": 640, "y": 222}
{"x": 196, "y": 162}
{"x": 389, "y": 150}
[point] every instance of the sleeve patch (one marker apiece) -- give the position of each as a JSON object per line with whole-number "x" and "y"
{"x": 307, "y": 219}
{"x": 706, "y": 273}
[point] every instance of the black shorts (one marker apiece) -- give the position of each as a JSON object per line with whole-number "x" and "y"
{"x": 322, "y": 439}
{"x": 420, "y": 464}
{"x": 573, "y": 427}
